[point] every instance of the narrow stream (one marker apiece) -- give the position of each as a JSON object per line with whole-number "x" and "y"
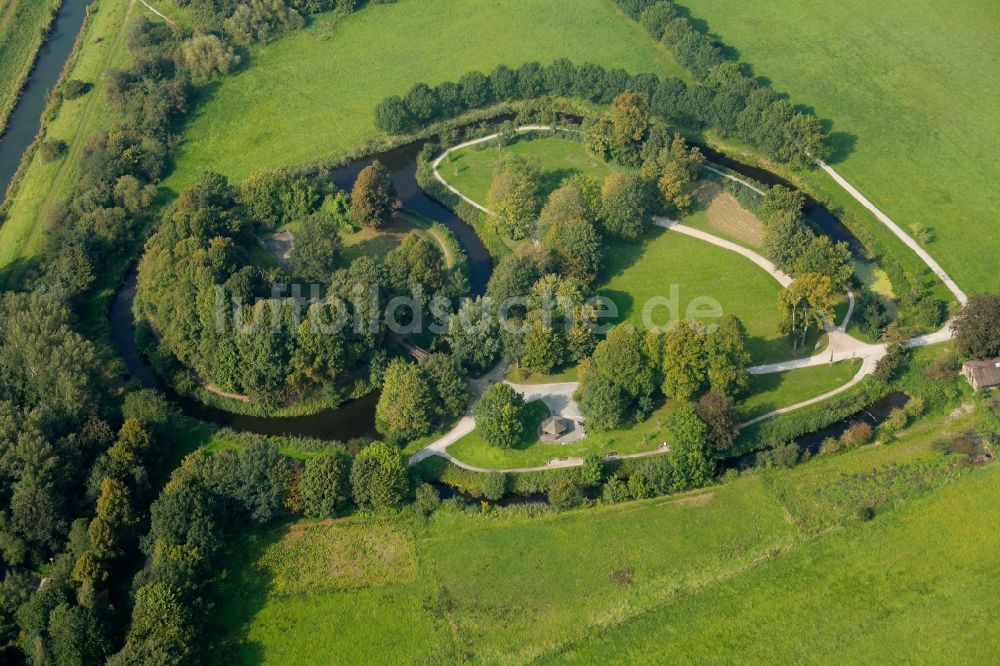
{"x": 26, "y": 119}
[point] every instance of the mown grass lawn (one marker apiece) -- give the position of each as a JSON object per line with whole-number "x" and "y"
{"x": 312, "y": 94}
{"x": 732, "y": 572}
{"x": 781, "y": 389}
{"x": 471, "y": 170}
{"x": 672, "y": 276}
{"x": 532, "y": 452}
{"x": 911, "y": 89}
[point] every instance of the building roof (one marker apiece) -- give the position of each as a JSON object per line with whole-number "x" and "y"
{"x": 984, "y": 373}
{"x": 555, "y": 425}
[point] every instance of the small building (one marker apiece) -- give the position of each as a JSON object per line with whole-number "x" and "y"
{"x": 982, "y": 374}
{"x": 555, "y": 427}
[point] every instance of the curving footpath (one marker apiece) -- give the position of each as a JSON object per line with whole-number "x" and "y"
{"x": 841, "y": 347}
{"x": 898, "y": 231}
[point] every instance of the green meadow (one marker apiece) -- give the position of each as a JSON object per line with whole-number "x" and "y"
{"x": 774, "y": 565}
{"x": 911, "y": 89}
{"x": 471, "y": 170}
{"x": 671, "y": 276}
{"x": 312, "y": 94}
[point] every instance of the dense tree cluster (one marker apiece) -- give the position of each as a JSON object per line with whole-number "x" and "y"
{"x": 226, "y": 319}
{"x": 630, "y": 370}
{"x": 498, "y": 416}
{"x": 417, "y": 397}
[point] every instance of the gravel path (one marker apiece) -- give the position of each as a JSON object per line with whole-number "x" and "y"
{"x": 841, "y": 345}
{"x": 898, "y": 231}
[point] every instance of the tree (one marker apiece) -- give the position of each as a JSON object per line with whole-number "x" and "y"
{"x": 629, "y": 117}
{"x": 475, "y": 90}
{"x": 422, "y": 103}
{"x": 977, "y": 327}
{"x": 316, "y": 249}
{"x": 543, "y": 349}
{"x": 655, "y": 18}
{"x": 161, "y": 630}
{"x": 474, "y": 335}
{"x": 576, "y": 247}
{"x": 604, "y": 403}
{"x": 727, "y": 357}
{"x": 689, "y": 456}
{"x": 564, "y": 203}
{"x": 404, "y": 411}
{"x": 207, "y": 56}
{"x": 683, "y": 361}
{"x": 391, "y": 115}
{"x": 261, "y": 20}
{"x": 827, "y": 258}
{"x": 622, "y": 359}
{"x": 719, "y": 414}
{"x": 806, "y": 304}
{"x": 512, "y": 278}
{"x": 325, "y": 489}
{"x": 498, "y": 416}
{"x": 378, "y": 477}
{"x": 513, "y": 198}
{"x": 76, "y": 636}
{"x": 448, "y": 386}
{"x": 373, "y": 198}
{"x": 786, "y": 236}
{"x": 624, "y": 205}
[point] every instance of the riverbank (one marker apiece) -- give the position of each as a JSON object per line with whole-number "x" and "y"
{"x": 25, "y": 26}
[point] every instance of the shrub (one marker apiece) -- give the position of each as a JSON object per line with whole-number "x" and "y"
{"x": 378, "y": 477}
{"x": 495, "y": 486}
{"x": 564, "y": 494}
{"x": 325, "y": 488}
{"x": 895, "y": 422}
{"x": 428, "y": 499}
{"x": 783, "y": 456}
{"x": 915, "y": 407}
{"x": 859, "y": 433}
{"x": 53, "y": 149}
{"x": 943, "y": 368}
{"x": 75, "y": 88}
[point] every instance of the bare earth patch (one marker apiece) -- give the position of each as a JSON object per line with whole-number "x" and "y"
{"x": 727, "y": 216}
{"x": 327, "y": 556}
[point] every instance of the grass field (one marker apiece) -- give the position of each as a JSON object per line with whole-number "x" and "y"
{"x": 312, "y": 94}
{"x": 471, "y": 171}
{"x": 532, "y": 452}
{"x": 22, "y": 24}
{"x": 769, "y": 392}
{"x": 771, "y": 566}
{"x": 666, "y": 264}
{"x": 911, "y": 89}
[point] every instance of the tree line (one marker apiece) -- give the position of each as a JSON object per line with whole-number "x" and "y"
{"x": 724, "y": 99}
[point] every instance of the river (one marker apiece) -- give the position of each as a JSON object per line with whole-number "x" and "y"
{"x": 26, "y": 119}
